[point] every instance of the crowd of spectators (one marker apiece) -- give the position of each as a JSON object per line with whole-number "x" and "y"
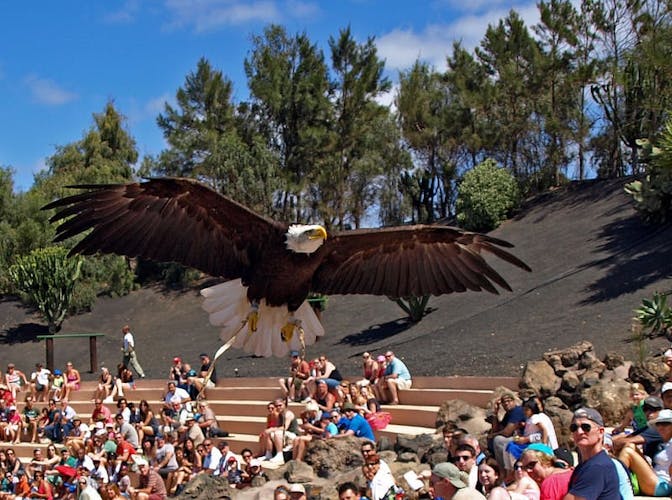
{"x": 94, "y": 457}
{"x": 163, "y": 446}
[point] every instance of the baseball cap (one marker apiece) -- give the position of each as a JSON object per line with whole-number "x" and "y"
{"x": 664, "y": 417}
{"x": 449, "y": 471}
{"x": 139, "y": 461}
{"x": 312, "y": 406}
{"x": 320, "y": 381}
{"x": 668, "y": 353}
{"x": 667, "y": 386}
{"x": 177, "y": 359}
{"x": 326, "y": 415}
{"x": 380, "y": 358}
{"x": 590, "y": 414}
{"x": 348, "y": 406}
{"x": 297, "y": 488}
{"x": 653, "y": 403}
{"x": 294, "y": 354}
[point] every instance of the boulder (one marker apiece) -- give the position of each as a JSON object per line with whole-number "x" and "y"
{"x": 612, "y": 360}
{"x": 561, "y": 417}
{"x": 610, "y": 398}
{"x": 570, "y": 381}
{"x": 540, "y": 377}
{"x": 298, "y": 472}
{"x": 418, "y": 445}
{"x": 206, "y": 487}
{"x": 570, "y": 356}
{"x": 646, "y": 374}
{"x": 589, "y": 361}
{"x": 469, "y": 417}
{"x": 329, "y": 457}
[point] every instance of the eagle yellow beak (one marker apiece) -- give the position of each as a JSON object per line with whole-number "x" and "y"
{"x": 319, "y": 233}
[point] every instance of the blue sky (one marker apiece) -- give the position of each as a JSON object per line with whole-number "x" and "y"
{"x": 60, "y": 62}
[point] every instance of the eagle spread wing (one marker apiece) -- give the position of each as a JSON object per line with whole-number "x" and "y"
{"x": 166, "y": 220}
{"x": 410, "y": 261}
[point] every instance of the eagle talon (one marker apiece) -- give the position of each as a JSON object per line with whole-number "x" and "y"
{"x": 253, "y": 319}
{"x": 287, "y": 332}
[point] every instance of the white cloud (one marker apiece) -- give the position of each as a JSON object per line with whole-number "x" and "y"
{"x": 47, "y": 91}
{"x": 126, "y": 14}
{"x": 138, "y": 112}
{"x": 387, "y": 99}
{"x": 400, "y": 48}
{"x": 208, "y": 15}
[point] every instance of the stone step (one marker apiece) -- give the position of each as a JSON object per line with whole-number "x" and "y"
{"x": 436, "y": 397}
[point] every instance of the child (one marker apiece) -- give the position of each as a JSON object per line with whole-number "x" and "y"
{"x": 57, "y": 384}
{"x": 634, "y": 417}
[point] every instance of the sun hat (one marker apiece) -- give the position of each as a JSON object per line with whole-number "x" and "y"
{"x": 297, "y": 488}
{"x": 449, "y": 471}
{"x": 590, "y": 414}
{"x": 541, "y": 447}
{"x": 664, "y": 417}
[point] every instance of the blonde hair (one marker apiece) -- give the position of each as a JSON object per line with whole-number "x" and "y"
{"x": 541, "y": 457}
{"x": 637, "y": 388}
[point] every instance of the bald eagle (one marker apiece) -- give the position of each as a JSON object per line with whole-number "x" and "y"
{"x": 270, "y": 267}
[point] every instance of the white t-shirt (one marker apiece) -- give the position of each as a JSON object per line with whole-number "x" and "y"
{"x": 41, "y": 377}
{"x": 543, "y": 420}
{"x": 129, "y": 343}
{"x": 662, "y": 461}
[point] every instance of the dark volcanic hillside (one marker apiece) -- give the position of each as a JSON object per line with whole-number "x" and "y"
{"x": 592, "y": 259}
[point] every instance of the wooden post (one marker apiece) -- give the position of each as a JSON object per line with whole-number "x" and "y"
{"x": 50, "y": 353}
{"x": 93, "y": 353}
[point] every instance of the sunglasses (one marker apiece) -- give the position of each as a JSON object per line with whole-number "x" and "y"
{"x": 461, "y": 458}
{"x": 530, "y": 465}
{"x": 585, "y": 427}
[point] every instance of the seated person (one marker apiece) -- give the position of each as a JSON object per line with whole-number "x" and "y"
{"x": 105, "y": 384}
{"x": 396, "y": 377}
{"x": 122, "y": 382}
{"x": 653, "y": 480}
{"x": 293, "y": 387}
{"x": 39, "y": 382}
{"x": 57, "y": 385}
{"x": 173, "y": 391}
{"x": 369, "y": 370}
{"x": 199, "y": 382}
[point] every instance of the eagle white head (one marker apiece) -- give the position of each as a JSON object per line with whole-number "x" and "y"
{"x": 305, "y": 239}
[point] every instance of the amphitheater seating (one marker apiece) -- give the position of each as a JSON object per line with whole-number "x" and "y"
{"x": 240, "y": 404}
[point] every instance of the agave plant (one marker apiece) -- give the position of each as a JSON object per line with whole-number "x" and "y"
{"x": 655, "y": 315}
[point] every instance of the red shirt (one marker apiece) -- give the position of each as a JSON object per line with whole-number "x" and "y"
{"x": 124, "y": 446}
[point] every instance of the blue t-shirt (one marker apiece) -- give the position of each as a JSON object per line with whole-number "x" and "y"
{"x": 360, "y": 427}
{"x": 331, "y": 429}
{"x": 397, "y": 367}
{"x": 596, "y": 478}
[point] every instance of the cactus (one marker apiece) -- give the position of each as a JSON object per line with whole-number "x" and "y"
{"x": 655, "y": 315}
{"x": 47, "y": 277}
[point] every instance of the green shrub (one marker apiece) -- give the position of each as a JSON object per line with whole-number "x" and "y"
{"x": 486, "y": 196}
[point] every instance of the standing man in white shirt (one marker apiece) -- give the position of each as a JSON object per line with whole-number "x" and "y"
{"x": 130, "y": 357}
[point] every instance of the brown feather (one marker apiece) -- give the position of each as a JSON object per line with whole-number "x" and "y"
{"x": 184, "y": 221}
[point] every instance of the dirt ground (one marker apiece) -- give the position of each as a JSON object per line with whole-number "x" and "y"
{"x": 593, "y": 261}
